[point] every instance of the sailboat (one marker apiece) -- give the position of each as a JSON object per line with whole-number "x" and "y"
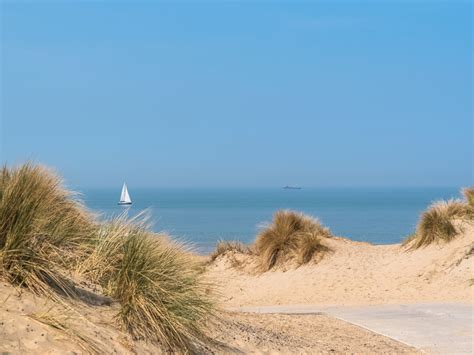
{"x": 125, "y": 197}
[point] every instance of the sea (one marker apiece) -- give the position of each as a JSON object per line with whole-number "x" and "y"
{"x": 202, "y": 217}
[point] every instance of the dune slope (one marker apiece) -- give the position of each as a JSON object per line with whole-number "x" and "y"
{"x": 355, "y": 273}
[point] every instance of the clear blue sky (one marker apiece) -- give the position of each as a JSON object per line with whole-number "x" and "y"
{"x": 240, "y": 94}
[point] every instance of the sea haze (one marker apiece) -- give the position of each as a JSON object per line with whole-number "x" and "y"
{"x": 203, "y": 216}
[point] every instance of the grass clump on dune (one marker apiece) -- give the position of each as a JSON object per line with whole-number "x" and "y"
{"x": 469, "y": 195}
{"x": 436, "y": 223}
{"x": 46, "y": 236}
{"x": 42, "y": 229}
{"x": 225, "y": 246}
{"x": 291, "y": 235}
{"x": 157, "y": 283}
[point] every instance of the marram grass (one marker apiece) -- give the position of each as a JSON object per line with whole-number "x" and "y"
{"x": 46, "y": 236}
{"x": 225, "y": 246}
{"x": 42, "y": 229}
{"x": 468, "y": 193}
{"x": 157, "y": 283}
{"x": 436, "y": 224}
{"x": 61, "y": 320}
{"x": 291, "y": 236}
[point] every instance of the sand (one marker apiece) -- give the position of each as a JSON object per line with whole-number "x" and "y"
{"x": 300, "y": 334}
{"x": 354, "y": 273}
{"x": 22, "y": 330}
{"x": 26, "y": 327}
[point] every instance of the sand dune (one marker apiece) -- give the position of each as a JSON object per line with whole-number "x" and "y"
{"x": 29, "y": 325}
{"x": 355, "y": 273}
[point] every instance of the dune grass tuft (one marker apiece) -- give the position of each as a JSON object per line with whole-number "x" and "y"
{"x": 157, "y": 283}
{"x": 436, "y": 223}
{"x": 309, "y": 245}
{"x": 42, "y": 229}
{"x": 291, "y": 235}
{"x": 225, "y": 246}
{"x": 468, "y": 193}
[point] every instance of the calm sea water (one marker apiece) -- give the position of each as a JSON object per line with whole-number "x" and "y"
{"x": 203, "y": 216}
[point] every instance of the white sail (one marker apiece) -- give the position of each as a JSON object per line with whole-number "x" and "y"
{"x": 125, "y": 197}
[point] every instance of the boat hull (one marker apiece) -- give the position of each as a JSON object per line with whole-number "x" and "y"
{"x": 124, "y": 203}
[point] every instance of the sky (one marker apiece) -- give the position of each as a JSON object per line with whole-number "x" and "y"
{"x": 239, "y": 94}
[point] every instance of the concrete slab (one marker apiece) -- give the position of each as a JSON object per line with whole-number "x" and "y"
{"x": 442, "y": 328}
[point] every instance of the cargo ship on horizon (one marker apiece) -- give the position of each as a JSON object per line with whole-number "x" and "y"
{"x": 288, "y": 187}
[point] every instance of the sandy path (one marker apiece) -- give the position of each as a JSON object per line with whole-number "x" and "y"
{"x": 434, "y": 328}
{"x": 300, "y": 334}
{"x": 235, "y": 333}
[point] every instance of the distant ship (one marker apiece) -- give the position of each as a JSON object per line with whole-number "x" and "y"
{"x": 125, "y": 197}
{"x": 287, "y": 187}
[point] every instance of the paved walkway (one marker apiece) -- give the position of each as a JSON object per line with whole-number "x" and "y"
{"x": 446, "y": 328}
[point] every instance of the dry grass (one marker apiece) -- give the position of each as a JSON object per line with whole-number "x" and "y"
{"x": 43, "y": 229}
{"x": 309, "y": 246}
{"x": 468, "y": 193}
{"x": 436, "y": 224}
{"x": 409, "y": 239}
{"x": 291, "y": 235}
{"x": 46, "y": 236}
{"x": 225, "y": 246}
{"x": 157, "y": 283}
{"x": 63, "y": 322}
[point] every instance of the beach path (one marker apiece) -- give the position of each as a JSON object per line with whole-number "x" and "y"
{"x": 445, "y": 328}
